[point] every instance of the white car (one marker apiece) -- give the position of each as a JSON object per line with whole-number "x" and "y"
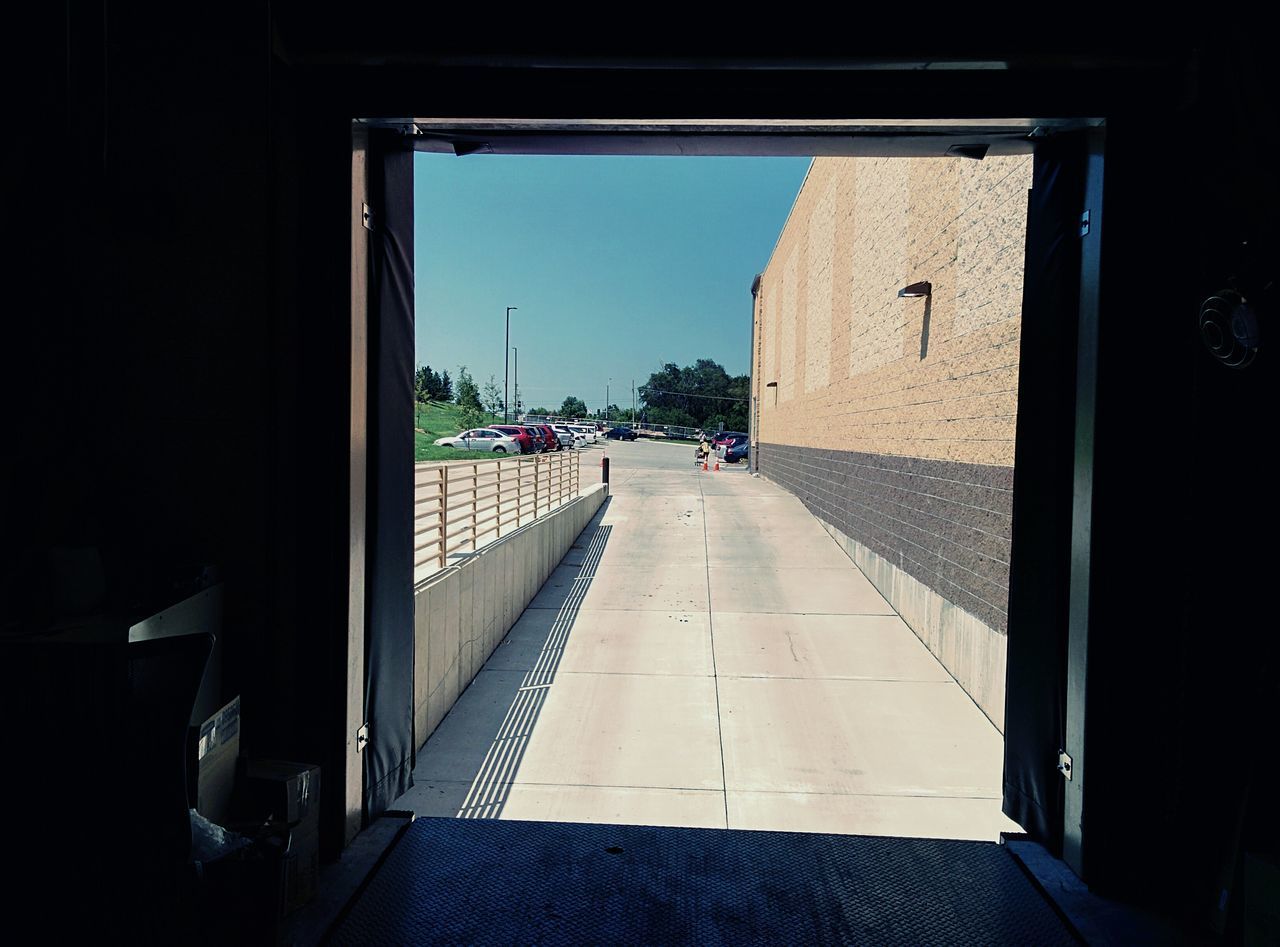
{"x": 481, "y": 438}
{"x": 586, "y": 430}
{"x": 569, "y": 437}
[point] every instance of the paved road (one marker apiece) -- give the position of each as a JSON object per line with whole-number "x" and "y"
{"x": 707, "y": 656}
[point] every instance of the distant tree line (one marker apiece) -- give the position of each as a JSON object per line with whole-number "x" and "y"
{"x": 428, "y": 386}
{"x": 701, "y": 395}
{"x": 480, "y": 406}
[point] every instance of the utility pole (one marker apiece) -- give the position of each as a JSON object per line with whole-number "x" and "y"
{"x": 506, "y": 364}
{"x": 633, "y": 402}
{"x": 517, "y": 384}
{"x": 606, "y": 400}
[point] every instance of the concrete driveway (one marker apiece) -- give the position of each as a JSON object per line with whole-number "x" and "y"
{"x": 707, "y": 656}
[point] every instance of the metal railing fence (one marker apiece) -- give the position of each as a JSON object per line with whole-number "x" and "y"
{"x": 460, "y": 506}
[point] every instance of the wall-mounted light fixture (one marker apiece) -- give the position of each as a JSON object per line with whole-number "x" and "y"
{"x": 916, "y": 290}
{"x": 774, "y": 386}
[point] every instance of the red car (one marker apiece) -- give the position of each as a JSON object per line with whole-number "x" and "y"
{"x": 523, "y": 438}
{"x": 539, "y": 440}
{"x": 553, "y": 442}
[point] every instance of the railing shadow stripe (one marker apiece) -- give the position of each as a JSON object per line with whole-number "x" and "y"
{"x": 487, "y": 796}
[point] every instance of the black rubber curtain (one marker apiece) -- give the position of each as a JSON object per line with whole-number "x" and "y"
{"x": 389, "y": 642}
{"x": 1035, "y": 690}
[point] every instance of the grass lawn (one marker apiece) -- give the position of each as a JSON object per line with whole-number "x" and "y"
{"x": 439, "y": 419}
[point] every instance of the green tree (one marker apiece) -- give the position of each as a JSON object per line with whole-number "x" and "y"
{"x": 491, "y": 397}
{"x": 468, "y": 393}
{"x": 677, "y": 416}
{"x": 573, "y": 408}
{"x": 699, "y": 395}
{"x": 446, "y": 387}
{"x": 426, "y": 384}
{"x": 470, "y": 417}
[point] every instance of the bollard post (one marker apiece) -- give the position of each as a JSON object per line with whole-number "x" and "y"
{"x": 604, "y": 470}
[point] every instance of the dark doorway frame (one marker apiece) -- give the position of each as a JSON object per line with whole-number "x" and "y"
{"x": 959, "y": 139}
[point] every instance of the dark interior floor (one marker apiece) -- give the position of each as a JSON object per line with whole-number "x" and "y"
{"x": 507, "y": 882}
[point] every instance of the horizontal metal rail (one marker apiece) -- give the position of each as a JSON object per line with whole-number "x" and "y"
{"x": 459, "y": 507}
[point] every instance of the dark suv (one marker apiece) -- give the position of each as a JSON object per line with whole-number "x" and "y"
{"x": 725, "y": 438}
{"x": 734, "y": 447}
{"x": 621, "y": 434}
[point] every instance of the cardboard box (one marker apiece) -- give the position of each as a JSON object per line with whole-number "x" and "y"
{"x": 289, "y": 793}
{"x": 282, "y": 791}
{"x": 301, "y": 870}
{"x": 213, "y": 757}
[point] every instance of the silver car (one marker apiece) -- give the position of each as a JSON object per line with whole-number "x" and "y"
{"x": 483, "y": 439}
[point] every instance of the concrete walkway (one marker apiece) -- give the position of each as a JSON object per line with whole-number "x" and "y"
{"x": 707, "y": 656}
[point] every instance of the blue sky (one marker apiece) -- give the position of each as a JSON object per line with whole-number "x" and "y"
{"x": 616, "y": 264}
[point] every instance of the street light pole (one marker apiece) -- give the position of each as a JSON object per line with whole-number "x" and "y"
{"x": 516, "y": 359}
{"x": 606, "y": 400}
{"x": 506, "y": 364}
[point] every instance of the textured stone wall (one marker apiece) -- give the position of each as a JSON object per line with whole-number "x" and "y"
{"x": 944, "y": 523}
{"x": 858, "y": 368}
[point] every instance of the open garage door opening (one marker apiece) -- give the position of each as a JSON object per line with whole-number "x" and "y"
{"x": 812, "y": 640}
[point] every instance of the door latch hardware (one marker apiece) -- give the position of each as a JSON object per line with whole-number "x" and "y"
{"x": 1064, "y": 764}
{"x": 362, "y": 738}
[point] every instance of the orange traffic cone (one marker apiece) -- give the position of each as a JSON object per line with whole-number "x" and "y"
{"x": 704, "y": 465}
{"x": 717, "y": 466}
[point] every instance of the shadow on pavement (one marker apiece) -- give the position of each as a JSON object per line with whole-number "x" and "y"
{"x": 492, "y": 729}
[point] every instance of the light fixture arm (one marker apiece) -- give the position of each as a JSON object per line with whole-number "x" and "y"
{"x": 923, "y": 288}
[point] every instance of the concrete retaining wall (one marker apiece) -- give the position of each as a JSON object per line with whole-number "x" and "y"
{"x": 463, "y": 612}
{"x": 971, "y": 651}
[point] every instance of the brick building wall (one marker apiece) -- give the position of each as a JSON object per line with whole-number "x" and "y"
{"x": 893, "y": 418}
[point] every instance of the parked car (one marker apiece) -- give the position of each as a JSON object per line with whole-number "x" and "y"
{"x": 734, "y": 448}
{"x": 550, "y": 437}
{"x": 538, "y": 438}
{"x": 484, "y": 439}
{"x": 522, "y": 436}
{"x": 621, "y": 434}
{"x": 568, "y": 436}
{"x": 586, "y": 430}
{"x": 724, "y": 438}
